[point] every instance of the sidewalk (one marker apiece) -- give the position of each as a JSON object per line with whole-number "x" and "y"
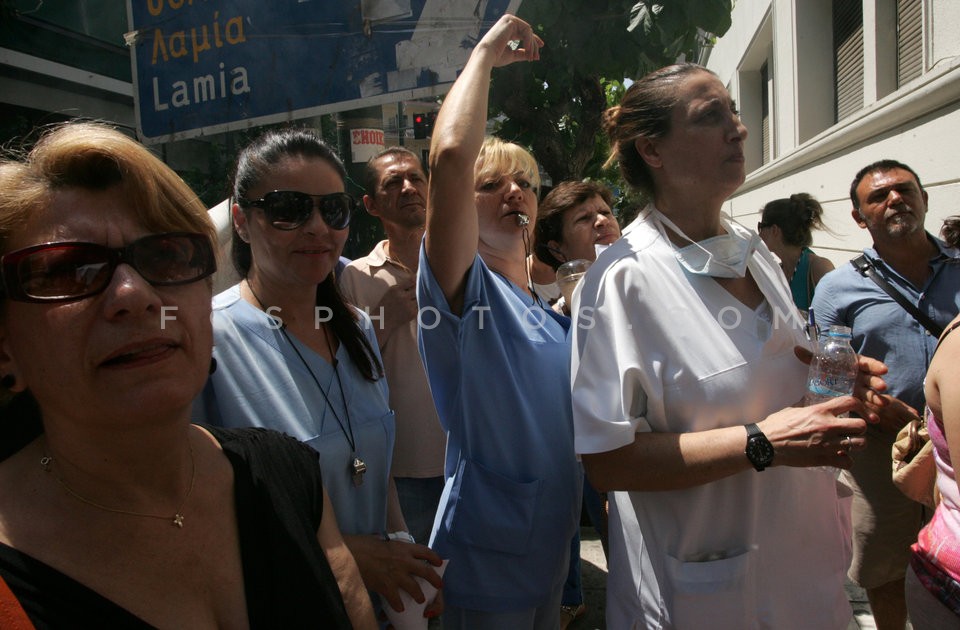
{"x": 593, "y": 570}
{"x": 593, "y": 575}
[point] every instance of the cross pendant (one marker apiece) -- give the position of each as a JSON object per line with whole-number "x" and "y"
{"x": 178, "y": 520}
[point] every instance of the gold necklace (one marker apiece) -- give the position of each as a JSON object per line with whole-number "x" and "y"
{"x": 176, "y": 519}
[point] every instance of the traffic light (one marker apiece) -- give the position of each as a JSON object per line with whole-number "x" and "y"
{"x": 423, "y": 125}
{"x": 419, "y": 126}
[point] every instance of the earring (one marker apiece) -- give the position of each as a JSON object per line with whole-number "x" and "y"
{"x": 7, "y": 381}
{"x": 213, "y": 365}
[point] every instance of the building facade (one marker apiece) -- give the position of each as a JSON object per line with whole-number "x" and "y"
{"x": 828, "y": 86}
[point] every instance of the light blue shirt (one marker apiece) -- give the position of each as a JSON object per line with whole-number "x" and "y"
{"x": 882, "y": 329}
{"x": 260, "y": 381}
{"x": 499, "y": 374}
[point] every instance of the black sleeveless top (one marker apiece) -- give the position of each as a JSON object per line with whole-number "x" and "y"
{"x": 287, "y": 580}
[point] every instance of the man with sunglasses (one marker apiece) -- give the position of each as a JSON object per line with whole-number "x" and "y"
{"x": 382, "y": 283}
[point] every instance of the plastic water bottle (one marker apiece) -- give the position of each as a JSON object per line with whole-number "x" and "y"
{"x": 833, "y": 371}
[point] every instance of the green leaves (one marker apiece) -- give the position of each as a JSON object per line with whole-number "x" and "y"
{"x": 554, "y": 106}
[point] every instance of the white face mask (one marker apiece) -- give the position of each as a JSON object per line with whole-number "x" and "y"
{"x": 724, "y": 256}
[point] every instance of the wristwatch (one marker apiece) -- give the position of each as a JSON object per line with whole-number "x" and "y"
{"x": 759, "y": 449}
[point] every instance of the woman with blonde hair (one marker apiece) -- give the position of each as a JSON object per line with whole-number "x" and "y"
{"x": 497, "y": 360}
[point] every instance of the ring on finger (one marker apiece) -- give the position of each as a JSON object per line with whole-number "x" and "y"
{"x": 846, "y": 443}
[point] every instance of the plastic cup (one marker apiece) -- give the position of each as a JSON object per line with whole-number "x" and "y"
{"x": 569, "y": 274}
{"x": 411, "y": 618}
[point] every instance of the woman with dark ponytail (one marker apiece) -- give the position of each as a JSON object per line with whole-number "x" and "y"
{"x": 785, "y": 226}
{"x": 293, "y": 356}
{"x": 684, "y": 379}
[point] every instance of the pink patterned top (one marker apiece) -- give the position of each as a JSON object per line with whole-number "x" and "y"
{"x": 939, "y": 541}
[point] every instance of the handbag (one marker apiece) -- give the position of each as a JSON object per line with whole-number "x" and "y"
{"x": 914, "y": 465}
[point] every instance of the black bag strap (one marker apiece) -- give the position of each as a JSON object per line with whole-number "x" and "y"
{"x": 865, "y": 267}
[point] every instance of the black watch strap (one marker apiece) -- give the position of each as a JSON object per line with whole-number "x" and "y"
{"x": 758, "y": 450}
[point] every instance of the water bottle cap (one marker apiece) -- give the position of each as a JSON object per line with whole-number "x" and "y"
{"x": 839, "y": 331}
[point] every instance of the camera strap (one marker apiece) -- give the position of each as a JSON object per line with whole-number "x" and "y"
{"x": 866, "y": 269}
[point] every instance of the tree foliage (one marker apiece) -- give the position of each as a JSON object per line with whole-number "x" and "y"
{"x": 555, "y": 105}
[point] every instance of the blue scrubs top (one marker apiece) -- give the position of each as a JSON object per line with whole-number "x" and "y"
{"x": 500, "y": 377}
{"x": 260, "y": 381}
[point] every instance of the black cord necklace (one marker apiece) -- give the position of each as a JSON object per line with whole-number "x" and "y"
{"x": 526, "y": 265}
{"x": 356, "y": 466}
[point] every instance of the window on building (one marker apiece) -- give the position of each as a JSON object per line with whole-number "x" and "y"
{"x": 848, "y": 56}
{"x": 909, "y": 40}
{"x": 766, "y": 152}
{"x": 753, "y": 89}
{"x": 84, "y": 34}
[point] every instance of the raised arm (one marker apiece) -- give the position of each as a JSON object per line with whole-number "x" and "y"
{"x": 452, "y": 228}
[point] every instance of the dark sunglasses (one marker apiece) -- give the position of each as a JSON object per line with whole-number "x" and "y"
{"x": 289, "y": 209}
{"x": 762, "y": 225}
{"x": 63, "y": 272}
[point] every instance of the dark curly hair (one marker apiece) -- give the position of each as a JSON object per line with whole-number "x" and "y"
{"x": 563, "y": 197}
{"x": 951, "y": 230}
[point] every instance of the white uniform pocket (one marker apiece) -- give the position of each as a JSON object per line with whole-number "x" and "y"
{"x": 711, "y": 594}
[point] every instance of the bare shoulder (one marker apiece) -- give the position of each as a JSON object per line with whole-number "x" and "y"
{"x": 819, "y": 267}
{"x": 948, "y": 352}
{"x": 942, "y": 370}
